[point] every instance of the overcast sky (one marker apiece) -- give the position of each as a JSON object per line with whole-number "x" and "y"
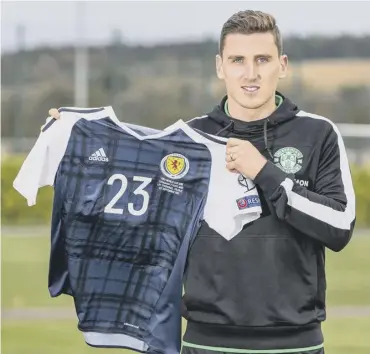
{"x": 54, "y": 22}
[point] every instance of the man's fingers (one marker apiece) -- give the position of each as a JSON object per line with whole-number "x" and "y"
{"x": 231, "y": 156}
{"x": 231, "y": 167}
{"x": 231, "y": 150}
{"x": 233, "y": 142}
{"x": 53, "y": 112}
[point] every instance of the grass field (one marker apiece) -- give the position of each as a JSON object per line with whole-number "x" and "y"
{"x": 24, "y": 286}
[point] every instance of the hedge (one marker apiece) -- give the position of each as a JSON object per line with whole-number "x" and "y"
{"x": 14, "y": 210}
{"x": 361, "y": 181}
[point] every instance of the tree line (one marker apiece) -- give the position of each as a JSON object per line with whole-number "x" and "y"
{"x": 138, "y": 80}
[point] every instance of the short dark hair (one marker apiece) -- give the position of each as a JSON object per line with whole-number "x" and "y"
{"x": 248, "y": 22}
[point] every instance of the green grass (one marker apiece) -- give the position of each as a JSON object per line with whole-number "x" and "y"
{"x": 24, "y": 284}
{"x": 347, "y": 273}
{"x": 347, "y": 336}
{"x": 47, "y": 337}
{"x": 26, "y": 260}
{"x": 24, "y": 275}
{"x": 342, "y": 336}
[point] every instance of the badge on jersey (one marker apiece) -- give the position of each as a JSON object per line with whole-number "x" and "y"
{"x": 248, "y": 202}
{"x": 175, "y": 166}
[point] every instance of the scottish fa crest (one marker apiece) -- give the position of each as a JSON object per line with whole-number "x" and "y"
{"x": 175, "y": 166}
{"x": 289, "y": 159}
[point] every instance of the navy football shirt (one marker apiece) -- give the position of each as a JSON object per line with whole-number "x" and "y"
{"x": 127, "y": 206}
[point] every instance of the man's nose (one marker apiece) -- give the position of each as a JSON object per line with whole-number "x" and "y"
{"x": 251, "y": 72}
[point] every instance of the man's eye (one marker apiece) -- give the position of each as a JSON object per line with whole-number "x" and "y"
{"x": 262, "y": 60}
{"x": 238, "y": 60}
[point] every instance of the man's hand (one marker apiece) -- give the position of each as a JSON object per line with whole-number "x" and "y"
{"x": 242, "y": 157}
{"x": 53, "y": 112}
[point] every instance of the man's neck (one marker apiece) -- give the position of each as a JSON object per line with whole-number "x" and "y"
{"x": 234, "y": 110}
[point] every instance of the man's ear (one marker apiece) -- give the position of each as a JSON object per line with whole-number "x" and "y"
{"x": 219, "y": 68}
{"x": 283, "y": 66}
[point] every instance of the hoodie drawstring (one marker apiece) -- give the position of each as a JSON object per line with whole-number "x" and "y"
{"x": 267, "y": 148}
{"x": 230, "y": 125}
{"x": 265, "y": 137}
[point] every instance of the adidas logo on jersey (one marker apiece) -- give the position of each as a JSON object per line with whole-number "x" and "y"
{"x": 99, "y": 155}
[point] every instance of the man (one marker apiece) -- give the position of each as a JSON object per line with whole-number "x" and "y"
{"x": 264, "y": 291}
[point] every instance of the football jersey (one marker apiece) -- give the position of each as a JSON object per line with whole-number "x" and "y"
{"x": 126, "y": 208}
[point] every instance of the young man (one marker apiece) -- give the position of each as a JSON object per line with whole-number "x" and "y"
{"x": 264, "y": 291}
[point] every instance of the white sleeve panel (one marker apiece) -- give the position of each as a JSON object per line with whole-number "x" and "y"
{"x": 41, "y": 164}
{"x": 32, "y": 170}
{"x": 230, "y": 204}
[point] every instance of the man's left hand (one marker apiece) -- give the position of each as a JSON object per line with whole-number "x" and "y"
{"x": 242, "y": 157}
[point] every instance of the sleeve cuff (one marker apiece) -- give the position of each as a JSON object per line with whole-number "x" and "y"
{"x": 269, "y": 178}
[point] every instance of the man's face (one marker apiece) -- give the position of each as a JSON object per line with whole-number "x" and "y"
{"x": 251, "y": 68}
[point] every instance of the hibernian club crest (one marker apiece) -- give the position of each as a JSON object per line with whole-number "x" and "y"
{"x": 289, "y": 159}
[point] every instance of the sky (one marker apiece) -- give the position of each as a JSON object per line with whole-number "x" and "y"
{"x": 57, "y": 23}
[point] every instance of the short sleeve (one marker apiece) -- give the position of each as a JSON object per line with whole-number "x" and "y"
{"x": 41, "y": 164}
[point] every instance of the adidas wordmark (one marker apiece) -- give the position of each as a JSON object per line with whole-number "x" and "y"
{"x": 99, "y": 155}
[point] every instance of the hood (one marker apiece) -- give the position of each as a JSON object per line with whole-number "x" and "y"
{"x": 254, "y": 130}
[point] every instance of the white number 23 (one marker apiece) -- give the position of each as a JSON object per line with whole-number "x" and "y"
{"x": 138, "y": 191}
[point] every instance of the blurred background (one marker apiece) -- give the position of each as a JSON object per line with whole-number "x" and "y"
{"x": 154, "y": 62}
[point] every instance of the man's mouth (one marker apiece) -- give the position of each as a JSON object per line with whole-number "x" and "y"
{"x": 251, "y": 88}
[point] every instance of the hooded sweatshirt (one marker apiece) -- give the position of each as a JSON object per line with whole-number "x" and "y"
{"x": 264, "y": 290}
